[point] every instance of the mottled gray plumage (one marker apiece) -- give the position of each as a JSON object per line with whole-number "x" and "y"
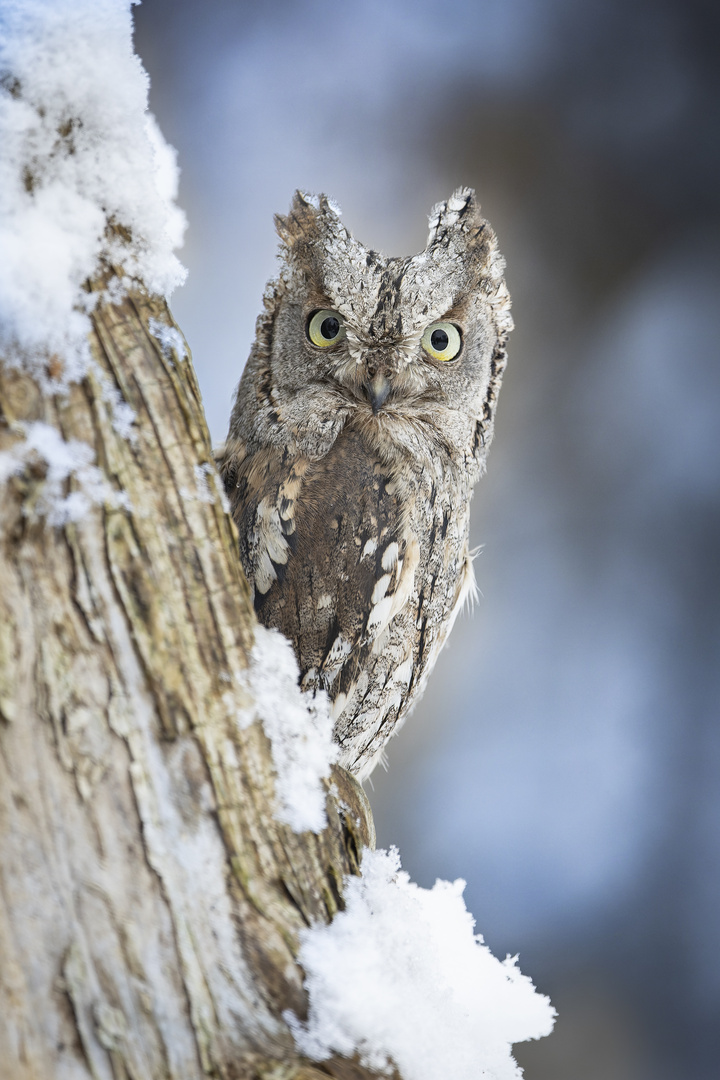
{"x": 350, "y": 465}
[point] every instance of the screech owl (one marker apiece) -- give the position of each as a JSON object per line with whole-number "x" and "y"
{"x": 361, "y": 424}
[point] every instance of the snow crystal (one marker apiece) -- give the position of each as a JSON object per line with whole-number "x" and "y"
{"x": 62, "y": 461}
{"x": 123, "y": 415}
{"x": 299, "y": 727}
{"x": 399, "y": 977}
{"x": 79, "y": 154}
{"x": 171, "y": 340}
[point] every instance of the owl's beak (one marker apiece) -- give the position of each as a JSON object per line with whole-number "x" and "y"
{"x": 377, "y": 390}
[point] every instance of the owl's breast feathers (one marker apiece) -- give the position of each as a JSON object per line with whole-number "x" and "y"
{"x": 362, "y": 571}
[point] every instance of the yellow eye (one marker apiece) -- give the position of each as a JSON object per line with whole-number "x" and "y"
{"x": 326, "y": 328}
{"x": 442, "y": 341}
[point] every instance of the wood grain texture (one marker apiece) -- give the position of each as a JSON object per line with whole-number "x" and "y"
{"x": 150, "y": 903}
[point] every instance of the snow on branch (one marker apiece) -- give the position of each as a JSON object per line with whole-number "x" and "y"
{"x": 45, "y": 449}
{"x": 170, "y": 340}
{"x": 299, "y": 727}
{"x": 85, "y": 175}
{"x": 400, "y": 978}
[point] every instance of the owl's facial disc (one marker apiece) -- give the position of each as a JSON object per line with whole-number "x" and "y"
{"x": 381, "y": 360}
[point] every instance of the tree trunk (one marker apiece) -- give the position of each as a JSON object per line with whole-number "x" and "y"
{"x": 150, "y": 902}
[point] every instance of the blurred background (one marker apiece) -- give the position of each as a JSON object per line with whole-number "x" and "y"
{"x": 565, "y": 760}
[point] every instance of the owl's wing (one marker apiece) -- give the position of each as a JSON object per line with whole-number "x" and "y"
{"x": 325, "y": 547}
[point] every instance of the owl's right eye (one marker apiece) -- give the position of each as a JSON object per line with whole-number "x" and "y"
{"x": 326, "y": 328}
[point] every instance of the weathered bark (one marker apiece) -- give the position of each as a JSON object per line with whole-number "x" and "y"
{"x": 150, "y": 902}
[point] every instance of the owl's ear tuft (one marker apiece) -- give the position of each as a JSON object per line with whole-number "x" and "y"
{"x": 457, "y": 216}
{"x": 309, "y": 215}
{"x": 301, "y": 221}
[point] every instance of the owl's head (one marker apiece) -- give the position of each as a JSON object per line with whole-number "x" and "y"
{"x": 410, "y": 349}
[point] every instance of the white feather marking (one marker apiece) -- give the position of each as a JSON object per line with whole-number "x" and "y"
{"x": 369, "y": 549}
{"x": 386, "y": 609}
{"x": 380, "y": 642}
{"x": 309, "y": 679}
{"x": 381, "y": 587}
{"x": 469, "y": 591}
{"x": 467, "y": 594}
{"x": 406, "y": 573}
{"x": 271, "y": 547}
{"x": 268, "y": 532}
{"x": 381, "y": 613}
{"x": 338, "y": 705}
{"x": 390, "y": 556}
{"x": 264, "y": 572}
{"x": 357, "y": 690}
{"x": 403, "y": 673}
{"x": 339, "y": 649}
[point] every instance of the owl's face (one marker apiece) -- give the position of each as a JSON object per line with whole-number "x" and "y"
{"x": 404, "y": 347}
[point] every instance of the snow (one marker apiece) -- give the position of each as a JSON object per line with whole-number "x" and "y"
{"x": 170, "y": 340}
{"x": 299, "y": 726}
{"x": 122, "y": 414}
{"x": 400, "y": 978}
{"x": 79, "y": 153}
{"x": 59, "y": 461}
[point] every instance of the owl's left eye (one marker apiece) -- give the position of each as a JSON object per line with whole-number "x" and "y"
{"x": 326, "y": 328}
{"x": 442, "y": 341}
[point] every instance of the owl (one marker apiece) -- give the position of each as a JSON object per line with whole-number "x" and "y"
{"x": 360, "y": 426}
